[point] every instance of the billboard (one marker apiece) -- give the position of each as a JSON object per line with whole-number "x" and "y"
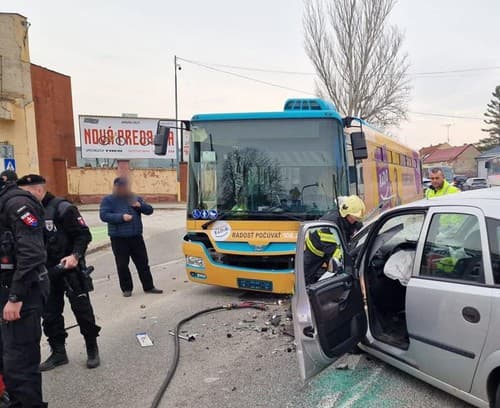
{"x": 116, "y": 137}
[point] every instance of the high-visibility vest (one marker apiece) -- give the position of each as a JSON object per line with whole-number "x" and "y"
{"x": 446, "y": 189}
{"x": 315, "y": 240}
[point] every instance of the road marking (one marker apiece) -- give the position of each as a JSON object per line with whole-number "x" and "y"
{"x": 171, "y": 262}
{"x": 329, "y": 401}
{"x": 361, "y": 389}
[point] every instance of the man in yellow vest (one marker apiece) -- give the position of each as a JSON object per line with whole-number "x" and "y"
{"x": 439, "y": 186}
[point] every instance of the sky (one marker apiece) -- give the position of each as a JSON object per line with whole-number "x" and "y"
{"x": 120, "y": 56}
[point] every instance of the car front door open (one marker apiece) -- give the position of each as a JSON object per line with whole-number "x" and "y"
{"x": 328, "y": 309}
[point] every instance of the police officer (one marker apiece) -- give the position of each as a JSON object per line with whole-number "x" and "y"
{"x": 24, "y": 288}
{"x": 439, "y": 186}
{"x": 8, "y": 175}
{"x": 67, "y": 237}
{"x": 322, "y": 245}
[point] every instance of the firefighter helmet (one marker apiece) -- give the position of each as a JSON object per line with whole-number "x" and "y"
{"x": 353, "y": 205}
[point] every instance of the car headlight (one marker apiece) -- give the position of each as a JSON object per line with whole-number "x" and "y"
{"x": 195, "y": 261}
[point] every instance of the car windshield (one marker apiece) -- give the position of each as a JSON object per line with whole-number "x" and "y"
{"x": 254, "y": 169}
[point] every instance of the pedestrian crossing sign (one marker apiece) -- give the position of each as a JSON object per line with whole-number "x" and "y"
{"x": 9, "y": 164}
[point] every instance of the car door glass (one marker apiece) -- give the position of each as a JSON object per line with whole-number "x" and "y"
{"x": 323, "y": 254}
{"x": 494, "y": 240}
{"x": 452, "y": 249}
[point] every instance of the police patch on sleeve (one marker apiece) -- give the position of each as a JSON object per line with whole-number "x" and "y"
{"x": 29, "y": 219}
{"x": 81, "y": 221}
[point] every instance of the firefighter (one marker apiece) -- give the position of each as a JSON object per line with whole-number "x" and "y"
{"x": 322, "y": 245}
{"x": 24, "y": 288}
{"x": 439, "y": 186}
{"x": 67, "y": 237}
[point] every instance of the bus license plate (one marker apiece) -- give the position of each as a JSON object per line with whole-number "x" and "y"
{"x": 255, "y": 284}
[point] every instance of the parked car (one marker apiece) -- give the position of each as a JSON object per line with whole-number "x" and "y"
{"x": 419, "y": 288}
{"x": 475, "y": 183}
{"x": 459, "y": 180}
{"x": 426, "y": 183}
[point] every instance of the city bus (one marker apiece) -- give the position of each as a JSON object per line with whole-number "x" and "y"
{"x": 493, "y": 171}
{"x": 253, "y": 177}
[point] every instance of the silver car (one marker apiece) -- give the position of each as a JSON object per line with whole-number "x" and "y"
{"x": 419, "y": 288}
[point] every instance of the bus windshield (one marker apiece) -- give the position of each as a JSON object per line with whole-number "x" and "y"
{"x": 266, "y": 169}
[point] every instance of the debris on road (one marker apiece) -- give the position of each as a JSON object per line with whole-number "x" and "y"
{"x": 189, "y": 337}
{"x": 275, "y": 320}
{"x": 144, "y": 340}
{"x": 342, "y": 366}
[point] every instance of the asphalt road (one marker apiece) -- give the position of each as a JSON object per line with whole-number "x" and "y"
{"x": 232, "y": 363}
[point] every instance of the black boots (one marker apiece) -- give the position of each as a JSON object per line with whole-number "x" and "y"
{"x": 57, "y": 358}
{"x": 93, "y": 359}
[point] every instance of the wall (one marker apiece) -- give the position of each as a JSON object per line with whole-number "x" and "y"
{"x": 89, "y": 185}
{"x": 465, "y": 163}
{"x": 54, "y": 125}
{"x": 17, "y": 113}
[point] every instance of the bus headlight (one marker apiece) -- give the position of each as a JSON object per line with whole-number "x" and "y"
{"x": 195, "y": 261}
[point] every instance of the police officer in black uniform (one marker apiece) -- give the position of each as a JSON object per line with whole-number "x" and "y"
{"x": 67, "y": 237}
{"x": 24, "y": 288}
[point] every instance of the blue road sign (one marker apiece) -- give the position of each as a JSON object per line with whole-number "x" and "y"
{"x": 9, "y": 164}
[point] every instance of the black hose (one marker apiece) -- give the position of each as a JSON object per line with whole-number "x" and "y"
{"x": 175, "y": 362}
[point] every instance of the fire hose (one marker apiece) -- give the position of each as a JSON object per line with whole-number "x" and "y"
{"x": 175, "y": 362}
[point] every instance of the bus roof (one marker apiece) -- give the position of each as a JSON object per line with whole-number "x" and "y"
{"x": 296, "y": 114}
{"x": 309, "y": 108}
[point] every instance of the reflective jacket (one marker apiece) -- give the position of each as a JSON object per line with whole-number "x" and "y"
{"x": 446, "y": 189}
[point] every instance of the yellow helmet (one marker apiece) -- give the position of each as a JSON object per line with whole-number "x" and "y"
{"x": 353, "y": 205}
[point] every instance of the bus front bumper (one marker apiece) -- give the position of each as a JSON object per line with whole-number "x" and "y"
{"x": 201, "y": 268}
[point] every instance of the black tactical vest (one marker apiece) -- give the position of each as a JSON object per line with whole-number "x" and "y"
{"x": 57, "y": 241}
{"x": 7, "y": 241}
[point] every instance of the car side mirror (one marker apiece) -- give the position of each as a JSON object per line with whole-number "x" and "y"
{"x": 359, "y": 147}
{"x": 487, "y": 165}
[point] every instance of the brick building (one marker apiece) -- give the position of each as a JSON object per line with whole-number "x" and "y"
{"x": 54, "y": 126}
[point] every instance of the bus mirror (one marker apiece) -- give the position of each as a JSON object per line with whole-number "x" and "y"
{"x": 359, "y": 148}
{"x": 160, "y": 140}
{"x": 487, "y": 165}
{"x": 197, "y": 152}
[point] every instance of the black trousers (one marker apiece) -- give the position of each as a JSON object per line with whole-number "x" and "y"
{"x": 20, "y": 347}
{"x": 135, "y": 248}
{"x": 53, "y": 319}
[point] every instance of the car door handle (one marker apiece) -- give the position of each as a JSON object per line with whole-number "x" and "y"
{"x": 471, "y": 314}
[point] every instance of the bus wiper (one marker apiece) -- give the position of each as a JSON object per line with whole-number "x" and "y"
{"x": 221, "y": 216}
{"x": 280, "y": 214}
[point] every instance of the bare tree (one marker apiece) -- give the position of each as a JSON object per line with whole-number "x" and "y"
{"x": 358, "y": 58}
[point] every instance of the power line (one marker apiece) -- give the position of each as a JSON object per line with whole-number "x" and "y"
{"x": 247, "y": 77}
{"x": 443, "y": 115}
{"x": 285, "y": 72}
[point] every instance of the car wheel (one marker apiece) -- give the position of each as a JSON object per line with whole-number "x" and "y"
{"x": 496, "y": 404}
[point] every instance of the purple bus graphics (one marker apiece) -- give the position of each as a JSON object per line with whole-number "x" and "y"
{"x": 383, "y": 177}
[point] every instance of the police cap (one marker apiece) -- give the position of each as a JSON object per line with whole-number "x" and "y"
{"x": 8, "y": 175}
{"x": 31, "y": 180}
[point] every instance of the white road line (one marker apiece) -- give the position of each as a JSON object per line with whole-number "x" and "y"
{"x": 171, "y": 262}
{"x": 361, "y": 389}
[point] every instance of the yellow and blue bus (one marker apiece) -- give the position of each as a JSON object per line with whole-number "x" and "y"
{"x": 253, "y": 177}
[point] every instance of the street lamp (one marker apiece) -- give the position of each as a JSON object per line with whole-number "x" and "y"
{"x": 177, "y": 67}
